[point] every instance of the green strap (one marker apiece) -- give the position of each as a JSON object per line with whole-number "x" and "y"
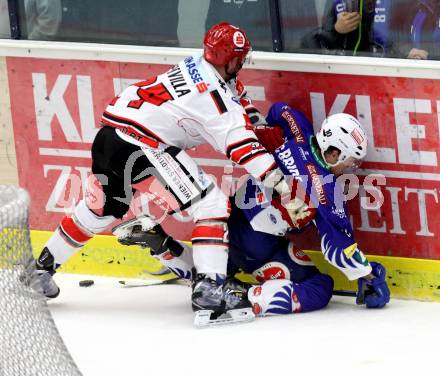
{"x": 361, "y": 11}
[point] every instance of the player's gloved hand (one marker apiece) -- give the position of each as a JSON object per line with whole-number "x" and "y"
{"x": 270, "y": 137}
{"x": 299, "y": 212}
{"x": 374, "y": 293}
{"x": 255, "y": 116}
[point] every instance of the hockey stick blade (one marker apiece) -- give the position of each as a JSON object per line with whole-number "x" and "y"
{"x": 207, "y": 318}
{"x": 150, "y": 282}
{"x": 344, "y": 293}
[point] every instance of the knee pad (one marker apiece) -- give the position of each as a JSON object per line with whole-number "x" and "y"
{"x": 214, "y": 205}
{"x": 75, "y": 231}
{"x": 89, "y": 221}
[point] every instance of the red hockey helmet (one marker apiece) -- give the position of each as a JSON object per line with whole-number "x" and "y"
{"x": 223, "y": 42}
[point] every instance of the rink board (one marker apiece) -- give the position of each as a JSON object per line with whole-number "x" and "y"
{"x": 52, "y": 95}
{"x": 103, "y": 255}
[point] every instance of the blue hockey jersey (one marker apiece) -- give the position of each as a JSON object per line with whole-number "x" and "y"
{"x": 300, "y": 159}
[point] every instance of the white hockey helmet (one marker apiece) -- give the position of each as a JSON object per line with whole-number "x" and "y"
{"x": 344, "y": 132}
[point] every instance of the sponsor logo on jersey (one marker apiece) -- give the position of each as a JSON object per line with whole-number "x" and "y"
{"x": 222, "y": 84}
{"x": 239, "y": 39}
{"x": 357, "y": 136}
{"x": 317, "y": 184}
{"x": 195, "y": 75}
{"x": 304, "y": 153}
{"x": 178, "y": 82}
{"x": 339, "y": 212}
{"x": 272, "y": 270}
{"x": 285, "y": 155}
{"x": 294, "y": 128}
{"x": 236, "y": 100}
{"x": 273, "y": 219}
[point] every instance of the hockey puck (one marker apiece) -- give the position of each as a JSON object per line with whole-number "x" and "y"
{"x": 86, "y": 283}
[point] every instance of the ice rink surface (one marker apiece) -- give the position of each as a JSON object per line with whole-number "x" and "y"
{"x": 113, "y": 331}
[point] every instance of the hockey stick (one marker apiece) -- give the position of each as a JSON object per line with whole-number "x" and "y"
{"x": 344, "y": 293}
{"x": 149, "y": 282}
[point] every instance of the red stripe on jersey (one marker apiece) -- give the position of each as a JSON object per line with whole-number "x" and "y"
{"x": 250, "y": 158}
{"x": 129, "y": 131}
{"x": 71, "y": 229}
{"x": 247, "y": 122}
{"x": 131, "y": 122}
{"x": 212, "y": 232}
{"x": 240, "y": 153}
{"x": 210, "y": 243}
{"x": 239, "y": 87}
{"x": 272, "y": 167}
{"x": 114, "y": 100}
{"x": 245, "y": 101}
{"x": 230, "y": 148}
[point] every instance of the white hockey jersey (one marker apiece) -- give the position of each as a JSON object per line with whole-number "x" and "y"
{"x": 186, "y": 106}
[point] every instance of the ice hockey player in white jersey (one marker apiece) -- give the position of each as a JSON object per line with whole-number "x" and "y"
{"x": 146, "y": 130}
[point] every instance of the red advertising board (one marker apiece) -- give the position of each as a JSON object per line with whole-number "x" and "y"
{"x": 57, "y": 104}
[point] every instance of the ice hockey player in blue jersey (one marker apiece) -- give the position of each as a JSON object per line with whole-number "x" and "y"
{"x": 314, "y": 162}
{"x": 259, "y": 221}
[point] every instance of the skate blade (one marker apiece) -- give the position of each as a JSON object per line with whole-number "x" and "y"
{"x": 203, "y": 318}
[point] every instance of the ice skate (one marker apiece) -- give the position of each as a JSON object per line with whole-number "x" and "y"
{"x": 217, "y": 304}
{"x": 39, "y": 275}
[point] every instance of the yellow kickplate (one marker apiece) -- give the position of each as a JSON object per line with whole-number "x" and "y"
{"x": 407, "y": 277}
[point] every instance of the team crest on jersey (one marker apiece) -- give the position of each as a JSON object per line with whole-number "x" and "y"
{"x": 239, "y": 39}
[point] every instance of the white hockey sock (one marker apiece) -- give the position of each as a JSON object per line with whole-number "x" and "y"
{"x": 181, "y": 265}
{"x": 210, "y": 246}
{"x": 75, "y": 231}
